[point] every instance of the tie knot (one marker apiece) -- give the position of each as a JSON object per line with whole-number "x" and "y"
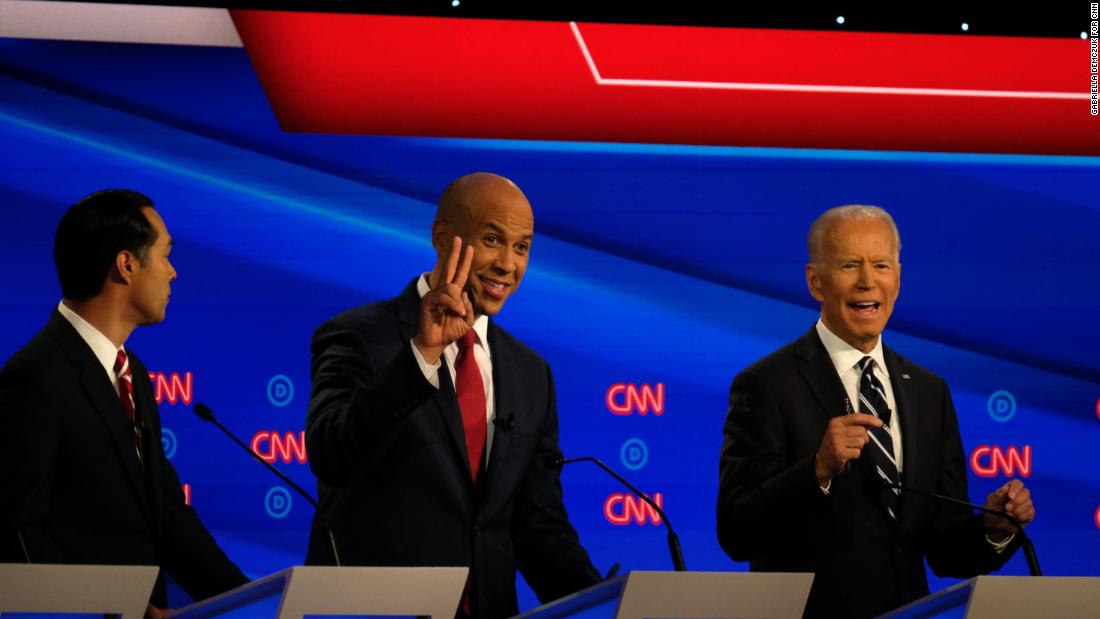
{"x": 866, "y": 363}
{"x": 121, "y": 365}
{"x": 468, "y": 339}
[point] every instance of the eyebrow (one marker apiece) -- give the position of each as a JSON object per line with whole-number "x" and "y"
{"x": 500, "y": 231}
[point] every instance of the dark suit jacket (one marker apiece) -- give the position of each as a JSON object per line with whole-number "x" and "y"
{"x": 772, "y": 513}
{"x": 72, "y": 485}
{"x": 390, "y": 457}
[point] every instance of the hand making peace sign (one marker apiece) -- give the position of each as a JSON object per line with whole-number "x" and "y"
{"x": 445, "y": 312}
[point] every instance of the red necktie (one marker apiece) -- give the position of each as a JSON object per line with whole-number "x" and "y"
{"x": 471, "y": 400}
{"x": 126, "y": 395}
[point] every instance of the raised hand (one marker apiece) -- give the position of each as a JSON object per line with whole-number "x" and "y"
{"x": 843, "y": 441}
{"x": 445, "y": 312}
{"x": 1014, "y": 499}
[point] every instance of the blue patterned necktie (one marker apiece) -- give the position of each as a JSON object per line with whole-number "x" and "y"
{"x": 880, "y": 451}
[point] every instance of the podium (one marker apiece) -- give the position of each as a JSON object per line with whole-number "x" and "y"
{"x": 1007, "y": 597}
{"x": 339, "y": 592}
{"x": 685, "y": 595}
{"x": 42, "y": 590}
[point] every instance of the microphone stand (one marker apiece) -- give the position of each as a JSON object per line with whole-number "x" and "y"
{"x": 673, "y": 541}
{"x": 204, "y": 413}
{"x": 1025, "y": 541}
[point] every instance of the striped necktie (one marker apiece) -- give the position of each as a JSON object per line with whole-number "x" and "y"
{"x": 880, "y": 450}
{"x": 125, "y": 381}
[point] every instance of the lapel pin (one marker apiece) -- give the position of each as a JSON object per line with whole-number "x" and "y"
{"x": 905, "y": 376}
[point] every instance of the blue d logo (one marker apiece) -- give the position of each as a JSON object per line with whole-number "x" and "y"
{"x": 277, "y": 502}
{"x": 280, "y": 390}
{"x": 1001, "y": 406}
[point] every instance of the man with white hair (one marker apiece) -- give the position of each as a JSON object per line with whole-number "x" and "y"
{"x": 819, "y": 430}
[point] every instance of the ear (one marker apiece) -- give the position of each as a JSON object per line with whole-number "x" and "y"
{"x": 441, "y": 237}
{"x": 813, "y": 282}
{"x": 897, "y": 291}
{"x": 125, "y": 265}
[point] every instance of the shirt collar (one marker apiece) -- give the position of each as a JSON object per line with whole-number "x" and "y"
{"x": 481, "y": 323}
{"x": 102, "y": 347}
{"x": 845, "y": 356}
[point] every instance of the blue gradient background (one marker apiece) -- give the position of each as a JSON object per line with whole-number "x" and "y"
{"x": 652, "y": 263}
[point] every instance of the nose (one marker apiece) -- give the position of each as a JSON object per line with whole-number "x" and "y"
{"x": 866, "y": 276}
{"x": 172, "y": 274}
{"x": 505, "y": 262}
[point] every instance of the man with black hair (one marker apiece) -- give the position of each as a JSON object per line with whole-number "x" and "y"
{"x": 83, "y": 476}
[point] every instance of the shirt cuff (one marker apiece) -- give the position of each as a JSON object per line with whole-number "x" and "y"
{"x": 430, "y": 370}
{"x": 825, "y": 488}
{"x": 1000, "y": 546}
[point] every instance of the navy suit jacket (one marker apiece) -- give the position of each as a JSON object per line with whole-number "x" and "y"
{"x": 389, "y": 453}
{"x": 72, "y": 487}
{"x": 772, "y": 513}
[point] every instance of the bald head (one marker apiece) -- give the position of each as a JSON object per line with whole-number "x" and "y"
{"x": 489, "y": 213}
{"x": 466, "y": 196}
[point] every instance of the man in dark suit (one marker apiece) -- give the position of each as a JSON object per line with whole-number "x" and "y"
{"x": 84, "y": 478}
{"x": 803, "y": 475}
{"x": 431, "y": 429}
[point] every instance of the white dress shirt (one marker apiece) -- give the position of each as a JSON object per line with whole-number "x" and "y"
{"x": 846, "y": 360}
{"x": 450, "y": 353}
{"x": 102, "y": 347}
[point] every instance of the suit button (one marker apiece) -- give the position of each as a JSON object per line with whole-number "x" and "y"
{"x": 477, "y": 530}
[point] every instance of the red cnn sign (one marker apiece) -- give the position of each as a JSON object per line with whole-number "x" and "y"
{"x": 172, "y": 387}
{"x": 186, "y": 493}
{"x": 991, "y": 461}
{"x": 620, "y": 509}
{"x": 627, "y": 398}
{"x": 272, "y": 446}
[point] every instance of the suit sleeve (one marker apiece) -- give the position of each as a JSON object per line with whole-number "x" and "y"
{"x": 548, "y": 550}
{"x": 958, "y": 547}
{"x": 762, "y": 496}
{"x": 30, "y": 443}
{"x": 191, "y": 555}
{"x": 356, "y": 407}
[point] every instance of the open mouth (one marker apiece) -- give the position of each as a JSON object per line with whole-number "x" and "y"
{"x": 494, "y": 289}
{"x": 864, "y": 308}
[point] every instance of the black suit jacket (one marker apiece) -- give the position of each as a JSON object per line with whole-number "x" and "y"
{"x": 772, "y": 513}
{"x": 389, "y": 453}
{"x": 72, "y": 487}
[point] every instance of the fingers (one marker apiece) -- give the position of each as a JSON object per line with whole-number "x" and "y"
{"x": 452, "y": 260}
{"x": 448, "y": 299}
{"x": 469, "y": 308}
{"x": 464, "y": 268}
{"x": 859, "y": 419}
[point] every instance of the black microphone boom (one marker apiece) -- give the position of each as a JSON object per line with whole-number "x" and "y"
{"x": 1025, "y": 541}
{"x": 673, "y": 540}
{"x": 204, "y": 413}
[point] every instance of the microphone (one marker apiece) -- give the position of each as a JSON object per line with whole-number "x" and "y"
{"x": 1025, "y": 541}
{"x": 204, "y": 413}
{"x": 557, "y": 462}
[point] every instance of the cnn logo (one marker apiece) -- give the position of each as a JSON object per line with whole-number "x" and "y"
{"x": 172, "y": 387}
{"x": 272, "y": 446}
{"x": 991, "y": 461}
{"x": 628, "y": 398}
{"x": 621, "y": 509}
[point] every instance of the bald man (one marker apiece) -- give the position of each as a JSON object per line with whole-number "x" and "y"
{"x": 430, "y": 427}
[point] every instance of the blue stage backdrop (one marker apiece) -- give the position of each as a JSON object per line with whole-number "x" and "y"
{"x": 657, "y": 273}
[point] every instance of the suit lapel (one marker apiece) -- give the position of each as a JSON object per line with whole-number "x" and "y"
{"x": 905, "y": 400}
{"x": 446, "y": 401}
{"x": 105, "y": 402}
{"x": 504, "y": 406}
{"x": 820, "y": 374}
